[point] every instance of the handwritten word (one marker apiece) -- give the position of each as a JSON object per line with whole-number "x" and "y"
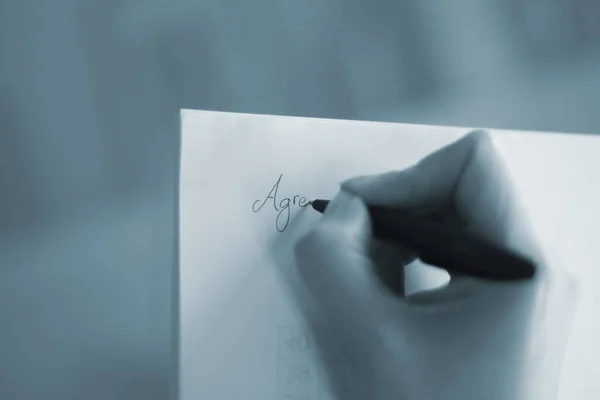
{"x": 283, "y": 206}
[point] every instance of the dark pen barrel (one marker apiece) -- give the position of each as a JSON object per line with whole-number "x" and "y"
{"x": 444, "y": 247}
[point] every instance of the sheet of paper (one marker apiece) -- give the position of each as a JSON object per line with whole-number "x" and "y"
{"x": 241, "y": 335}
{"x": 245, "y": 181}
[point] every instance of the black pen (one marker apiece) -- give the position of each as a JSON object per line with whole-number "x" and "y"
{"x": 443, "y": 247}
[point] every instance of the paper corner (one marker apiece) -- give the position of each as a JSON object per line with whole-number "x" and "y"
{"x": 184, "y": 112}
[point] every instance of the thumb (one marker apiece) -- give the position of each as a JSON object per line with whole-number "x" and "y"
{"x": 332, "y": 258}
{"x": 333, "y": 263}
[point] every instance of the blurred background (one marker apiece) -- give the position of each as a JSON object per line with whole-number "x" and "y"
{"x": 89, "y": 99}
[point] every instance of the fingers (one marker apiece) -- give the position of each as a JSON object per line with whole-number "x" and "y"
{"x": 467, "y": 176}
{"x": 333, "y": 263}
{"x": 428, "y": 184}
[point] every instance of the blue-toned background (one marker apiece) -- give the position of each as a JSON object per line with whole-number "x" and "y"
{"x": 89, "y": 100}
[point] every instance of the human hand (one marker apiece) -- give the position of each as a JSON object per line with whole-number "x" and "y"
{"x": 471, "y": 339}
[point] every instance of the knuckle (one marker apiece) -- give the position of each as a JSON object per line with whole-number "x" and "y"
{"x": 480, "y": 137}
{"x": 482, "y": 142}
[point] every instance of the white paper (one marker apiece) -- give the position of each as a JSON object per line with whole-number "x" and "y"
{"x": 239, "y": 333}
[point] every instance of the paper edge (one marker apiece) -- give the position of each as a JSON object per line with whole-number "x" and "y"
{"x": 175, "y": 378}
{"x": 184, "y": 112}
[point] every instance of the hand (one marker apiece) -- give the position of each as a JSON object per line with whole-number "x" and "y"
{"x": 470, "y": 339}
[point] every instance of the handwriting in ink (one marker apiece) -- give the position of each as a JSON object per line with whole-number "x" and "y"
{"x": 283, "y": 206}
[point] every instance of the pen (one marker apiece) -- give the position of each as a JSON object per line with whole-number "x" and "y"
{"x": 444, "y": 247}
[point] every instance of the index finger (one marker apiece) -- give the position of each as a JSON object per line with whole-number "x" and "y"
{"x": 469, "y": 177}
